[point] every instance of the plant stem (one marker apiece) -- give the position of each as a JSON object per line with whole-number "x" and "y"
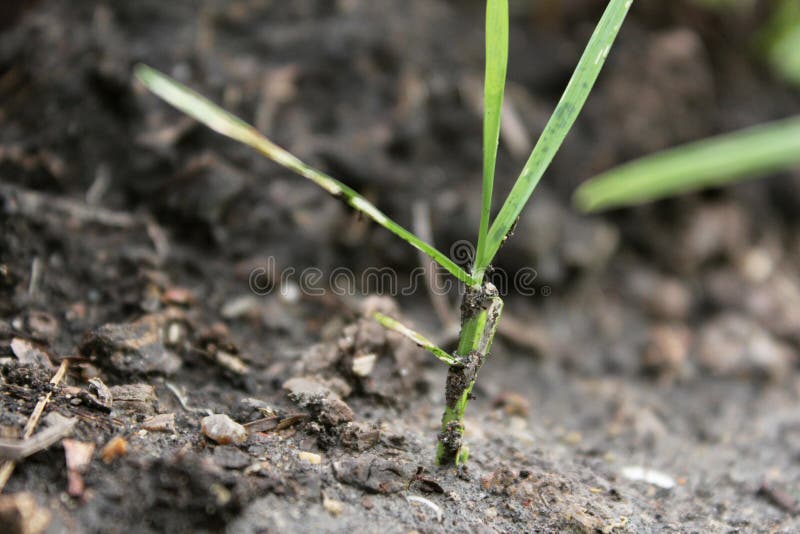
{"x": 480, "y": 312}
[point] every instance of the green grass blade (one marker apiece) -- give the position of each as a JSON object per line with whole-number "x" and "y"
{"x": 715, "y": 161}
{"x": 555, "y": 131}
{"x": 231, "y": 126}
{"x": 416, "y": 337}
{"x": 493, "y": 89}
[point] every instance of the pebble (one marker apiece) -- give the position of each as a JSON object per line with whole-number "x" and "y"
{"x": 512, "y": 403}
{"x": 662, "y": 296}
{"x": 650, "y": 476}
{"x": 364, "y": 364}
{"x": 733, "y": 345}
{"x": 667, "y": 350}
{"x": 310, "y": 457}
{"x": 223, "y": 430}
{"x": 334, "y": 507}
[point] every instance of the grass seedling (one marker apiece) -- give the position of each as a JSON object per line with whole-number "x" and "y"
{"x": 711, "y": 162}
{"x": 481, "y": 305}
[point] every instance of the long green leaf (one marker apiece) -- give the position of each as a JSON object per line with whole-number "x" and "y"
{"x": 555, "y": 131}
{"x": 231, "y": 126}
{"x": 493, "y": 89}
{"x": 711, "y": 162}
{"x": 416, "y": 337}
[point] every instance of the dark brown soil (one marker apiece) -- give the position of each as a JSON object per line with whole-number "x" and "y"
{"x": 659, "y": 342}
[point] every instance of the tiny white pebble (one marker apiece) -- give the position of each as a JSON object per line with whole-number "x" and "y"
{"x": 310, "y": 457}
{"x": 223, "y": 429}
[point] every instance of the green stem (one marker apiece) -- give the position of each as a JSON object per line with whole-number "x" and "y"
{"x": 480, "y": 312}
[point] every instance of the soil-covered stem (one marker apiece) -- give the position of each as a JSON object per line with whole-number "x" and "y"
{"x": 480, "y": 312}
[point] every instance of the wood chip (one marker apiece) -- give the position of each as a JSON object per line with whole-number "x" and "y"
{"x": 115, "y": 448}
{"x": 164, "y": 422}
{"x": 79, "y": 456}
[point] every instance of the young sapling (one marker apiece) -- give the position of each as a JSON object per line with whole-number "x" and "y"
{"x": 481, "y": 304}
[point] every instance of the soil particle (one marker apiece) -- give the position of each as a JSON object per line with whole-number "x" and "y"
{"x": 115, "y": 448}
{"x": 512, "y": 403}
{"x": 139, "y": 347}
{"x": 732, "y": 345}
{"x": 451, "y": 439}
{"x": 357, "y": 436}
{"x": 137, "y": 399}
{"x": 164, "y": 422}
{"x": 29, "y": 353}
{"x": 371, "y": 473}
{"x": 364, "y": 358}
{"x": 326, "y": 406}
{"x": 230, "y": 457}
{"x": 667, "y": 351}
{"x": 662, "y": 296}
{"x": 223, "y": 429}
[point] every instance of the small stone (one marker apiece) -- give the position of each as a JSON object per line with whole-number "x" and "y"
{"x": 42, "y": 325}
{"x": 662, "y": 296}
{"x": 732, "y": 345}
{"x": 164, "y": 422}
{"x": 178, "y": 295}
{"x": 101, "y": 392}
{"x": 223, "y": 430}
{"x": 364, "y": 364}
{"x": 115, "y": 448}
{"x": 231, "y": 362}
{"x": 334, "y": 507}
{"x": 650, "y": 476}
{"x": 20, "y": 514}
{"x": 29, "y": 353}
{"x": 512, "y": 403}
{"x": 667, "y": 350}
{"x": 310, "y": 457}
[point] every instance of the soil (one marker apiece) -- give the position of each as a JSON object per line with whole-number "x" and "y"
{"x": 648, "y": 382}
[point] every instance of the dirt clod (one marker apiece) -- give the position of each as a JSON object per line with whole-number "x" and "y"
{"x": 139, "y": 347}
{"x": 371, "y": 473}
{"x": 134, "y": 399}
{"x": 21, "y": 514}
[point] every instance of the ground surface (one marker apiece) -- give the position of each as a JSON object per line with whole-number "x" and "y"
{"x": 660, "y": 342}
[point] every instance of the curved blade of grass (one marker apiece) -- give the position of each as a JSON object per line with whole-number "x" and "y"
{"x": 710, "y": 162}
{"x": 555, "y": 131}
{"x": 493, "y": 88}
{"x": 231, "y": 126}
{"x": 416, "y": 337}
